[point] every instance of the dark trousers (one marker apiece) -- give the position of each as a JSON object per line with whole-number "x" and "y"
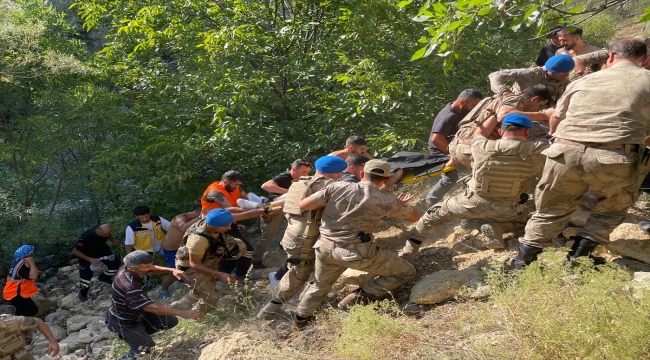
{"x": 242, "y": 264}
{"x": 24, "y": 306}
{"x": 139, "y": 337}
{"x": 85, "y": 274}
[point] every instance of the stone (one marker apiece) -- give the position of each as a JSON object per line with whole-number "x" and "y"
{"x": 275, "y": 259}
{"x": 44, "y": 304}
{"x": 629, "y": 241}
{"x": 97, "y": 352}
{"x": 77, "y": 322}
{"x": 72, "y": 341}
{"x": 58, "y": 332}
{"x": 85, "y": 336}
{"x": 80, "y": 352}
{"x": 69, "y": 301}
{"x": 227, "y": 347}
{"x": 7, "y": 309}
{"x": 39, "y": 348}
{"x": 444, "y": 285}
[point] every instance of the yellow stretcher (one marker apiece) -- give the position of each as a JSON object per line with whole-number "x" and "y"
{"x": 410, "y": 176}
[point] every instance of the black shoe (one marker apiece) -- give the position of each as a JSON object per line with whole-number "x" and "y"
{"x": 258, "y": 265}
{"x": 581, "y": 247}
{"x": 83, "y": 295}
{"x": 526, "y": 255}
{"x": 105, "y": 279}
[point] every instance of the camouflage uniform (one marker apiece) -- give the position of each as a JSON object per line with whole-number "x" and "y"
{"x": 300, "y": 236}
{"x": 503, "y": 170}
{"x": 606, "y": 119}
{"x": 15, "y": 333}
{"x": 221, "y": 246}
{"x": 351, "y": 209}
{"x": 524, "y": 78}
{"x": 460, "y": 148}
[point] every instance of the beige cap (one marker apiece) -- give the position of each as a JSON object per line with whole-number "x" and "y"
{"x": 643, "y": 38}
{"x": 377, "y": 167}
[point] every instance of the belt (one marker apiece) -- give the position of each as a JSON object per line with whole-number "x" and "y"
{"x": 626, "y": 147}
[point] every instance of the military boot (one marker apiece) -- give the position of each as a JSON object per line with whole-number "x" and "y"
{"x": 269, "y": 311}
{"x": 494, "y": 236}
{"x": 299, "y": 322}
{"x": 410, "y": 251}
{"x": 526, "y": 255}
{"x": 584, "y": 247}
{"x": 83, "y": 294}
{"x": 358, "y": 297}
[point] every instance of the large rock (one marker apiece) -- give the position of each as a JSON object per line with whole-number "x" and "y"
{"x": 77, "y": 322}
{"x": 229, "y": 347}
{"x": 58, "y": 332}
{"x": 72, "y": 343}
{"x": 44, "y": 304}
{"x": 444, "y": 285}
{"x": 629, "y": 241}
{"x": 275, "y": 259}
{"x": 69, "y": 301}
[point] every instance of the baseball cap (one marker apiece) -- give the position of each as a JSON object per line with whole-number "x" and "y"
{"x": 377, "y": 167}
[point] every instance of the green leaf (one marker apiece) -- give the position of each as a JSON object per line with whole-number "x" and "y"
{"x": 418, "y": 54}
{"x": 404, "y": 3}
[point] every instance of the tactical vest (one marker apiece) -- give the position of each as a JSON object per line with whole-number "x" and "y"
{"x": 13, "y": 340}
{"x": 14, "y": 281}
{"x": 503, "y": 175}
{"x": 221, "y": 246}
{"x": 301, "y": 189}
{"x": 142, "y": 236}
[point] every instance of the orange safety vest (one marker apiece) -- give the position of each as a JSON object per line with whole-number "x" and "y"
{"x": 230, "y": 196}
{"x": 14, "y": 281}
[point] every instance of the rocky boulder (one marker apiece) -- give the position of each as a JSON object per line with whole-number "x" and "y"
{"x": 629, "y": 241}
{"x": 69, "y": 301}
{"x": 444, "y": 285}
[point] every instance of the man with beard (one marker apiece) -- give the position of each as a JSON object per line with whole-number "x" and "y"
{"x": 550, "y": 49}
{"x": 443, "y": 131}
{"x": 572, "y": 44}
{"x": 353, "y": 145}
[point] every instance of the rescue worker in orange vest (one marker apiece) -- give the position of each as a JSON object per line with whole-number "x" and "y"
{"x": 16, "y": 332}
{"x": 20, "y": 286}
{"x": 224, "y": 194}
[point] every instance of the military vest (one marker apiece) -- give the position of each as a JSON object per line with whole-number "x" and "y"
{"x": 13, "y": 340}
{"x": 503, "y": 175}
{"x": 299, "y": 190}
{"x": 221, "y": 245}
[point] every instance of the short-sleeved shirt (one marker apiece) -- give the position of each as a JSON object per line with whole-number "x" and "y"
{"x": 93, "y": 245}
{"x": 545, "y": 53}
{"x": 524, "y": 78}
{"x": 353, "y": 208}
{"x": 283, "y": 180}
{"x": 128, "y": 299}
{"x": 609, "y": 106}
{"x": 446, "y": 124}
{"x": 484, "y": 110}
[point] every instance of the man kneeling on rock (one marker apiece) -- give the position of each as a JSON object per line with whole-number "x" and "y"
{"x": 133, "y": 316}
{"x": 204, "y": 246}
{"x": 503, "y": 173}
{"x": 352, "y": 212}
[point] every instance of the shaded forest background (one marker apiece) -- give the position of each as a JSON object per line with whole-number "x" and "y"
{"x": 105, "y": 105}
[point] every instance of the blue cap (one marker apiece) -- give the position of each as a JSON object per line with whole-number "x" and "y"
{"x": 517, "y": 120}
{"x": 330, "y": 164}
{"x": 23, "y": 252}
{"x": 560, "y": 63}
{"x": 219, "y": 218}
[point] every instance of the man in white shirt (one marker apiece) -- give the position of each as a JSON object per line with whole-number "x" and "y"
{"x": 146, "y": 231}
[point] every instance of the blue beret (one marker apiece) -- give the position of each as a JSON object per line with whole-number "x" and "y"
{"x": 517, "y": 120}
{"x": 560, "y": 63}
{"x": 219, "y": 218}
{"x": 330, "y": 164}
{"x": 23, "y": 252}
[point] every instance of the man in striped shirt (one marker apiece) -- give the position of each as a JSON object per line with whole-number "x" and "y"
{"x": 133, "y": 316}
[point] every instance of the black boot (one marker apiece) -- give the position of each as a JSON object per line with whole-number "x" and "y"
{"x": 526, "y": 255}
{"x": 83, "y": 294}
{"x": 581, "y": 247}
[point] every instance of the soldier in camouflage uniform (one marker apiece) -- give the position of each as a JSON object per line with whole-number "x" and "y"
{"x": 554, "y": 75}
{"x": 17, "y": 331}
{"x": 204, "y": 246}
{"x": 351, "y": 214}
{"x": 487, "y": 114}
{"x": 504, "y": 172}
{"x": 603, "y": 122}
{"x": 302, "y": 231}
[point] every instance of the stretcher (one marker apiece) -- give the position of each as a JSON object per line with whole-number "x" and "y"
{"x": 418, "y": 166}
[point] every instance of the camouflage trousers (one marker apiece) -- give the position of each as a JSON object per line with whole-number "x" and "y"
{"x": 331, "y": 262}
{"x": 203, "y": 294}
{"x": 301, "y": 259}
{"x": 269, "y": 225}
{"x": 467, "y": 205}
{"x": 570, "y": 170}
{"x": 461, "y": 152}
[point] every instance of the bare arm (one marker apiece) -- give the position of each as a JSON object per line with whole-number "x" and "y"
{"x": 164, "y": 310}
{"x": 486, "y": 128}
{"x": 415, "y": 216}
{"x": 128, "y": 248}
{"x": 53, "y": 347}
{"x": 440, "y": 142}
{"x": 33, "y": 270}
{"x": 272, "y": 187}
{"x": 553, "y": 123}
{"x": 197, "y": 264}
{"x": 184, "y": 225}
{"x": 534, "y": 116}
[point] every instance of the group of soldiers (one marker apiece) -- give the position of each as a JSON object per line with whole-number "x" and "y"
{"x": 554, "y": 134}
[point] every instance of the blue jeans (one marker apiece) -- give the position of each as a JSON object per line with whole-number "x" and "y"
{"x": 139, "y": 337}
{"x": 446, "y": 182}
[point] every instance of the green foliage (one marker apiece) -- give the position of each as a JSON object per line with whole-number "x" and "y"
{"x": 599, "y": 30}
{"x": 554, "y": 311}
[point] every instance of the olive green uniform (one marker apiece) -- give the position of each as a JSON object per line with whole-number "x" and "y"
{"x": 15, "y": 333}
{"x": 606, "y": 117}
{"x": 523, "y": 78}
{"x": 503, "y": 170}
{"x": 213, "y": 247}
{"x": 351, "y": 209}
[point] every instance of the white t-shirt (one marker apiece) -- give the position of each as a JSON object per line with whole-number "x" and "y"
{"x": 130, "y": 237}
